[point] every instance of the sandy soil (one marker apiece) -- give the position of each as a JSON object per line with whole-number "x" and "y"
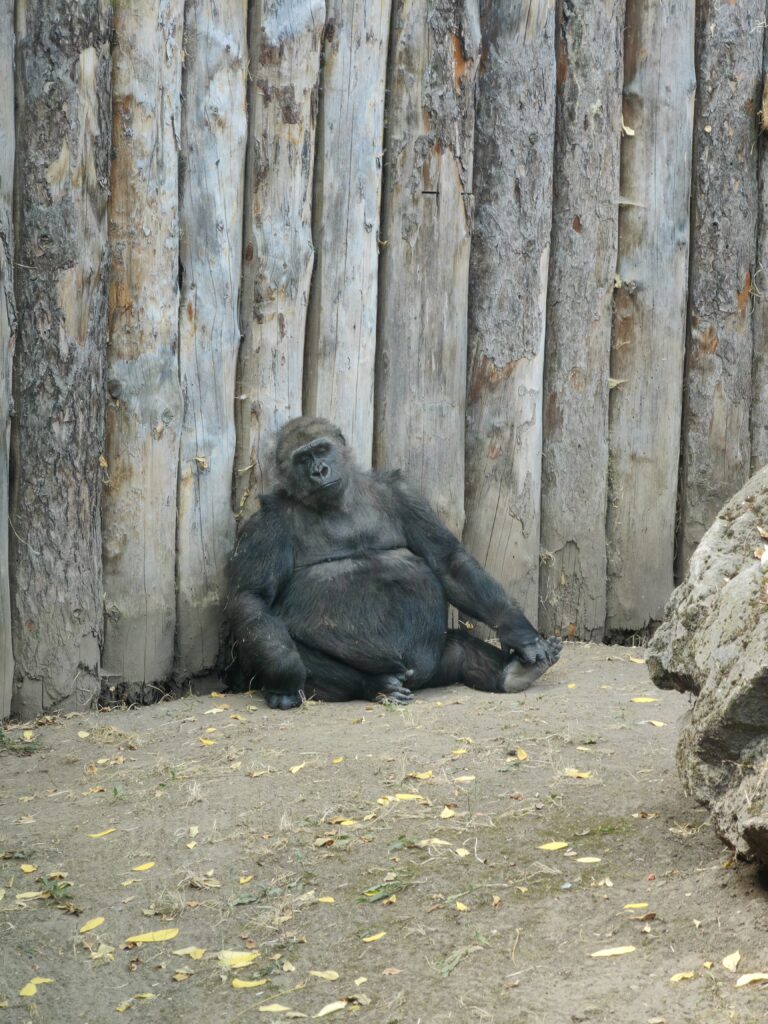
{"x": 400, "y": 849}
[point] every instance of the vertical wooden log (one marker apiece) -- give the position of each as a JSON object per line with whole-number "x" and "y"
{"x": 426, "y": 223}
{"x": 718, "y": 379}
{"x": 144, "y": 403}
{"x": 649, "y": 309}
{"x": 341, "y": 337}
{"x": 213, "y": 133}
{"x": 759, "y": 410}
{"x": 572, "y": 578}
{"x": 7, "y": 338}
{"x": 62, "y": 176}
{"x": 285, "y": 42}
{"x": 508, "y": 292}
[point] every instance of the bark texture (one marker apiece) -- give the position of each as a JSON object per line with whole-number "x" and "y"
{"x": 718, "y": 381}
{"x": 508, "y": 292}
{"x": 341, "y": 337}
{"x": 574, "y": 482}
{"x": 759, "y": 410}
{"x": 649, "y": 310}
{"x": 144, "y": 402}
{"x": 284, "y": 66}
{"x": 7, "y": 337}
{"x": 713, "y": 643}
{"x": 213, "y": 133}
{"x": 62, "y": 160}
{"x": 426, "y": 224}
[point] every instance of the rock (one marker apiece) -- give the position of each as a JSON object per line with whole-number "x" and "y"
{"x": 713, "y": 643}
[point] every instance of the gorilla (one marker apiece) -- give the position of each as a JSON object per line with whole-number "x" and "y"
{"x": 339, "y": 586}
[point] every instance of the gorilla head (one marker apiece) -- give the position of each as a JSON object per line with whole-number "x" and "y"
{"x": 314, "y": 464}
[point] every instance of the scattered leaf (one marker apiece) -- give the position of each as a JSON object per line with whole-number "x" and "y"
{"x": 274, "y": 1008}
{"x": 655, "y": 722}
{"x": 614, "y": 951}
{"x": 637, "y": 661}
{"x": 635, "y": 906}
{"x": 750, "y": 979}
{"x": 731, "y": 962}
{"x": 28, "y": 869}
{"x": 27, "y": 735}
{"x": 645, "y": 700}
{"x": 245, "y": 983}
{"x": 683, "y": 976}
{"x": 30, "y": 989}
{"x": 374, "y": 938}
{"x": 555, "y": 845}
{"x": 410, "y": 796}
{"x": 235, "y": 959}
{"x": 83, "y": 734}
{"x": 459, "y": 751}
{"x": 325, "y": 975}
{"x": 337, "y": 760}
{"x": 447, "y": 813}
{"x": 159, "y": 936}
{"x": 297, "y": 768}
{"x": 461, "y": 906}
{"x": 588, "y": 860}
{"x": 325, "y": 899}
{"x": 419, "y": 775}
{"x": 464, "y": 778}
{"x": 245, "y": 879}
{"x": 144, "y": 867}
{"x": 461, "y": 851}
{"x": 193, "y": 952}
{"x": 340, "y": 1004}
{"x": 573, "y": 773}
{"x": 99, "y": 835}
{"x": 90, "y": 925}
{"x": 205, "y": 742}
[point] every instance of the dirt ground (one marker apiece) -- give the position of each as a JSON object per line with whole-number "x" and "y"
{"x": 397, "y": 850}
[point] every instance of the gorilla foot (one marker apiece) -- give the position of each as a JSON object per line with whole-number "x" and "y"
{"x": 283, "y": 701}
{"x": 390, "y": 689}
{"x": 517, "y": 677}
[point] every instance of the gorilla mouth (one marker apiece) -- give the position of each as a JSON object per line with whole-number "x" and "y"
{"x": 331, "y": 484}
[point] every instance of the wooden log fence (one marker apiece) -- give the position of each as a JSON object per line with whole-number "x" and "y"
{"x": 518, "y": 251}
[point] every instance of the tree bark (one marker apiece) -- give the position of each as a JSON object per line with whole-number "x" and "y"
{"x": 759, "y": 410}
{"x": 144, "y": 404}
{"x": 285, "y": 43}
{"x": 508, "y": 293}
{"x": 649, "y": 310}
{"x": 62, "y": 174}
{"x": 7, "y": 338}
{"x": 426, "y": 224}
{"x": 341, "y": 336}
{"x": 718, "y": 380}
{"x": 572, "y": 578}
{"x": 213, "y": 133}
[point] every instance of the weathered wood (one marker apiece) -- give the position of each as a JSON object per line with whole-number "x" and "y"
{"x": 718, "y": 378}
{"x": 572, "y": 578}
{"x": 341, "y": 332}
{"x": 62, "y": 173}
{"x": 213, "y": 134}
{"x": 7, "y": 337}
{"x": 759, "y": 410}
{"x": 285, "y": 43}
{"x": 508, "y": 292}
{"x": 144, "y": 403}
{"x": 649, "y": 309}
{"x": 426, "y": 224}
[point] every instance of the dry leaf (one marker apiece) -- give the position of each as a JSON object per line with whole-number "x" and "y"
{"x": 521, "y": 755}
{"x": 90, "y": 925}
{"x": 325, "y": 975}
{"x": 645, "y": 700}
{"x": 27, "y": 735}
{"x": 243, "y": 983}
{"x": 462, "y": 851}
{"x": 337, "y": 760}
{"x": 160, "y": 936}
{"x": 193, "y": 952}
{"x": 297, "y": 768}
{"x": 459, "y": 751}
{"x": 750, "y": 979}
{"x": 635, "y": 906}
{"x": 683, "y": 976}
{"x": 374, "y": 938}
{"x": 574, "y": 773}
{"x": 325, "y": 899}
{"x": 464, "y": 778}
{"x": 588, "y": 860}
{"x": 28, "y": 869}
{"x": 235, "y": 959}
{"x": 30, "y": 989}
{"x": 731, "y": 962}
{"x": 614, "y": 951}
{"x": 461, "y": 906}
{"x": 419, "y": 775}
{"x": 144, "y": 867}
{"x": 340, "y": 1004}
{"x": 245, "y": 879}
{"x": 205, "y": 742}
{"x": 653, "y": 721}
{"x": 555, "y": 845}
{"x": 411, "y": 796}
{"x": 98, "y": 835}
{"x": 447, "y": 813}
{"x": 637, "y": 661}
{"x": 274, "y": 1008}
{"x": 83, "y": 734}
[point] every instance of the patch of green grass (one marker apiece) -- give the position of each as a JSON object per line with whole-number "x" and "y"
{"x": 21, "y": 748}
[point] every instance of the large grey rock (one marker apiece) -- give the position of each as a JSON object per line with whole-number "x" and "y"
{"x": 713, "y": 642}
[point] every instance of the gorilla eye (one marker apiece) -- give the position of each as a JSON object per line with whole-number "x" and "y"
{"x": 322, "y": 449}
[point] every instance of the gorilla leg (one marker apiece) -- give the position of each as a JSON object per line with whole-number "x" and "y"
{"x": 483, "y": 667}
{"x": 332, "y": 680}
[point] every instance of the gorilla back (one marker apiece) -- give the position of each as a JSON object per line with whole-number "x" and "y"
{"x": 339, "y": 588}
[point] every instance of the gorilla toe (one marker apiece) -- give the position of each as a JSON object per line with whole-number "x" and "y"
{"x": 282, "y": 701}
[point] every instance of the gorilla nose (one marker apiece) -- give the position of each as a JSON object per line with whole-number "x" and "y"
{"x": 320, "y": 470}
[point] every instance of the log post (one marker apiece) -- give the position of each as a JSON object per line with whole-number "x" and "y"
{"x": 213, "y": 134}
{"x": 341, "y": 334}
{"x": 649, "y": 310}
{"x": 63, "y": 133}
{"x": 508, "y": 292}
{"x": 144, "y": 399}
{"x": 426, "y": 223}
{"x": 572, "y": 578}
{"x": 285, "y": 43}
{"x": 759, "y": 410}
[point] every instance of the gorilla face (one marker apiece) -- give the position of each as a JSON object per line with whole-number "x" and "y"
{"x": 313, "y": 462}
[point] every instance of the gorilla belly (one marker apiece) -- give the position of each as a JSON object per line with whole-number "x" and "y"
{"x": 381, "y": 612}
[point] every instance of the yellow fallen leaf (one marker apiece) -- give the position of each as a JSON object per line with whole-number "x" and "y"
{"x": 31, "y": 895}
{"x": 362, "y": 980}
{"x": 191, "y": 845}
{"x": 521, "y": 754}
{"x": 325, "y": 899}
{"x": 635, "y": 906}
{"x": 325, "y": 975}
{"x": 159, "y": 936}
{"x": 245, "y": 879}
{"x": 28, "y": 869}
{"x": 731, "y": 962}
{"x": 83, "y": 734}
{"x": 337, "y": 760}
{"x": 461, "y": 906}
{"x": 234, "y": 958}
{"x": 464, "y": 778}
{"x": 205, "y": 742}
{"x": 122, "y": 1007}
{"x": 409, "y": 796}
{"x": 588, "y": 860}
{"x": 750, "y": 979}
{"x": 656, "y": 722}
{"x": 99, "y": 835}
{"x": 144, "y": 867}
{"x": 274, "y": 1008}
{"x": 30, "y": 989}
{"x": 555, "y": 845}
{"x": 614, "y": 951}
{"x": 130, "y": 881}
{"x": 144, "y": 995}
{"x": 708, "y": 964}
{"x": 447, "y": 813}
{"x": 374, "y": 938}
{"x": 340, "y": 1004}
{"x": 27, "y": 735}
{"x": 193, "y": 952}
{"x": 683, "y": 976}
{"x": 571, "y": 686}
{"x": 385, "y": 801}
{"x": 637, "y": 661}
{"x": 419, "y": 775}
{"x": 461, "y": 851}
{"x": 459, "y": 751}
{"x": 297, "y": 768}
{"x": 90, "y": 925}
{"x": 243, "y": 983}
{"x": 645, "y": 700}
{"x": 211, "y": 728}
{"x": 573, "y": 773}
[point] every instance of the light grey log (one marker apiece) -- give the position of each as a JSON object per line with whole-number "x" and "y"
{"x": 213, "y": 133}
{"x": 341, "y": 332}
{"x": 649, "y": 309}
{"x": 285, "y": 43}
{"x": 63, "y": 133}
{"x": 718, "y": 379}
{"x": 7, "y": 337}
{"x": 508, "y": 293}
{"x": 144, "y": 400}
{"x": 572, "y": 578}
{"x": 759, "y": 410}
{"x": 426, "y": 223}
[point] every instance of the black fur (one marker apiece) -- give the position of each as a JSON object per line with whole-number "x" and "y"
{"x": 339, "y": 588}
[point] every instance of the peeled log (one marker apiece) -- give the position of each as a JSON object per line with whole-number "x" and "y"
{"x": 7, "y": 337}
{"x": 713, "y": 642}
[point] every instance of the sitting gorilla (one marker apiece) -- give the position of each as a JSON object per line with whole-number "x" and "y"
{"x": 339, "y": 588}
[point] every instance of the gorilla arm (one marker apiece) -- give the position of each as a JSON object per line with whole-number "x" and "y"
{"x": 467, "y": 585}
{"x": 261, "y": 563}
